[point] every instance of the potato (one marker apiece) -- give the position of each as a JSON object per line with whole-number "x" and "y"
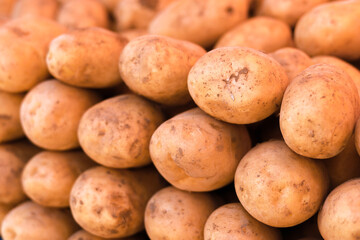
{"x": 340, "y": 215}
{"x": 30, "y": 221}
{"x": 38, "y": 8}
{"x": 50, "y": 114}
{"x": 175, "y": 214}
{"x": 357, "y": 136}
{"x": 3, "y": 20}
{"x": 10, "y": 116}
{"x": 226, "y": 83}
{"x": 261, "y": 33}
{"x": 110, "y": 203}
{"x": 49, "y": 176}
{"x": 199, "y": 21}
{"x": 133, "y": 33}
{"x": 13, "y": 158}
{"x": 287, "y": 11}
{"x": 69, "y": 59}
{"x": 279, "y": 187}
{"x": 292, "y": 60}
{"x": 330, "y": 29}
{"x": 83, "y": 14}
{"x": 157, "y": 67}
{"x": 195, "y": 152}
{"x": 4, "y": 209}
{"x": 6, "y": 7}
{"x": 116, "y": 132}
{"x": 83, "y": 235}
{"x": 318, "y": 111}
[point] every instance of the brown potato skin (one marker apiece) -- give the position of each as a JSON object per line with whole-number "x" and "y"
{"x": 83, "y": 235}
{"x": 110, "y": 203}
{"x": 39, "y": 8}
{"x": 279, "y": 187}
{"x": 330, "y": 29}
{"x": 318, "y": 111}
{"x": 69, "y": 59}
{"x": 6, "y": 7}
{"x": 195, "y": 152}
{"x": 10, "y": 116}
{"x": 226, "y": 83}
{"x": 357, "y": 136}
{"x": 157, "y": 67}
{"x": 175, "y": 214}
{"x": 264, "y": 34}
{"x": 339, "y": 216}
{"x": 49, "y": 176}
{"x": 116, "y": 132}
{"x": 50, "y": 114}
{"x": 199, "y": 21}
{"x": 32, "y": 221}
{"x": 4, "y": 209}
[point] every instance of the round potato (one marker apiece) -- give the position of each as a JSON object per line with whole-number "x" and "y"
{"x": 4, "y": 209}
{"x": 39, "y": 8}
{"x": 83, "y": 235}
{"x": 49, "y": 176}
{"x": 261, "y": 33}
{"x": 319, "y": 111}
{"x": 330, "y": 29}
{"x": 30, "y": 221}
{"x": 111, "y": 203}
{"x": 227, "y": 83}
{"x": 340, "y": 215}
{"x": 51, "y": 112}
{"x": 175, "y": 214}
{"x": 69, "y": 59}
{"x": 157, "y": 67}
{"x": 195, "y": 152}
{"x": 10, "y": 116}
{"x": 279, "y": 187}
{"x": 116, "y": 132}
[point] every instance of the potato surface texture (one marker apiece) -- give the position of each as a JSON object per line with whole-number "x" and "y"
{"x": 39, "y": 8}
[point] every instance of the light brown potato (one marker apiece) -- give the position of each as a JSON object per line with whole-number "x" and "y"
{"x": 195, "y": 152}
{"x": 116, "y": 132}
{"x": 6, "y": 7}
{"x": 49, "y": 176}
{"x": 357, "y": 136}
{"x": 83, "y": 14}
{"x": 13, "y": 158}
{"x": 4, "y": 209}
{"x": 261, "y": 33}
{"x": 292, "y": 60}
{"x": 285, "y": 10}
{"x": 319, "y": 111}
{"x": 157, "y": 67}
{"x": 330, "y": 29}
{"x": 340, "y": 215}
{"x": 83, "y": 235}
{"x": 30, "y": 221}
{"x": 50, "y": 114}
{"x": 231, "y": 221}
{"x": 199, "y": 21}
{"x": 70, "y": 59}
{"x": 38, "y": 8}
{"x": 175, "y": 214}
{"x": 226, "y": 83}
{"x": 111, "y": 203}
{"x": 279, "y": 187}
{"x": 10, "y": 116}
{"x": 3, "y": 20}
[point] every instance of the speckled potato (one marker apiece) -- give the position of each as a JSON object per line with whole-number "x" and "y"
{"x": 110, "y": 203}
{"x": 38, "y": 8}
{"x": 319, "y": 111}
{"x": 176, "y": 215}
{"x": 49, "y": 176}
{"x": 330, "y": 29}
{"x": 231, "y": 221}
{"x": 30, "y": 221}
{"x": 50, "y": 114}
{"x": 157, "y": 67}
{"x": 4, "y": 209}
{"x": 83, "y": 14}
{"x": 292, "y": 60}
{"x": 279, "y": 187}
{"x": 196, "y": 152}
{"x": 237, "y": 85}
{"x": 261, "y": 33}
{"x": 116, "y": 132}
{"x": 83, "y": 235}
{"x": 340, "y": 215}
{"x": 10, "y": 116}
{"x": 199, "y": 21}
{"x": 69, "y": 59}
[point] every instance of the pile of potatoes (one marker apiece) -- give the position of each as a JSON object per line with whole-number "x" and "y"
{"x": 179, "y": 119}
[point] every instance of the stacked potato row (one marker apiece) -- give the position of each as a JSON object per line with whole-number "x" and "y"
{"x": 179, "y": 119}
